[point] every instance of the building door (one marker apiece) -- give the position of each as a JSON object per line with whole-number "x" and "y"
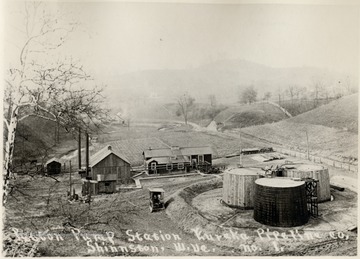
{"x": 153, "y": 168}
{"x": 201, "y": 159}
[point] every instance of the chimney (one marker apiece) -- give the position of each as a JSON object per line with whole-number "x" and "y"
{"x": 109, "y": 147}
{"x": 79, "y": 149}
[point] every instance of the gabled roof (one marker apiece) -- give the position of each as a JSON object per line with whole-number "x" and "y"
{"x": 169, "y": 160}
{"x": 161, "y": 152}
{"x": 160, "y": 160}
{"x": 156, "y": 189}
{"x": 54, "y": 159}
{"x": 182, "y": 151}
{"x": 102, "y": 153}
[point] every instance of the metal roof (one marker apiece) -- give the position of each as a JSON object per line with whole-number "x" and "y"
{"x": 160, "y": 160}
{"x": 182, "y": 151}
{"x": 168, "y": 160}
{"x": 161, "y": 152}
{"x": 54, "y": 159}
{"x": 102, "y": 153}
{"x": 156, "y": 189}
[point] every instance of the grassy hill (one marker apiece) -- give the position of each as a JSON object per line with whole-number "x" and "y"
{"x": 199, "y": 113}
{"x": 299, "y": 106}
{"x": 341, "y": 114}
{"x": 332, "y": 130}
{"x": 35, "y": 140}
{"x": 249, "y": 115}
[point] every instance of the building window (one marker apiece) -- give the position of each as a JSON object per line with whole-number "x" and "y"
{"x": 153, "y": 166}
{"x": 169, "y": 167}
{"x": 180, "y": 166}
{"x": 107, "y": 184}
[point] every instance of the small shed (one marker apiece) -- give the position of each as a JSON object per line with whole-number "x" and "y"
{"x": 107, "y": 169}
{"x": 53, "y": 166}
{"x": 110, "y": 165}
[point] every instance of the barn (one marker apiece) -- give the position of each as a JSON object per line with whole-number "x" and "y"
{"x": 107, "y": 169}
{"x": 165, "y": 160}
{"x": 53, "y": 166}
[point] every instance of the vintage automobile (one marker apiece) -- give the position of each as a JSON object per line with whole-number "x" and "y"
{"x": 156, "y": 199}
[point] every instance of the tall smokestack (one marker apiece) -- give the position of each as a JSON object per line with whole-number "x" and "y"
{"x": 79, "y": 149}
{"x": 87, "y": 154}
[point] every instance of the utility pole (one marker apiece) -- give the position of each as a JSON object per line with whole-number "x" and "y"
{"x": 70, "y": 175}
{"x": 240, "y": 156}
{"x": 307, "y": 144}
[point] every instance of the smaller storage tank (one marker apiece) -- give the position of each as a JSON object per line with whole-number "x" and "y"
{"x": 239, "y": 187}
{"x": 316, "y": 172}
{"x": 280, "y": 202}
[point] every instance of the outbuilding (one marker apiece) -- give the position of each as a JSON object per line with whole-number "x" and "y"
{"x": 53, "y": 166}
{"x": 176, "y": 158}
{"x": 107, "y": 169}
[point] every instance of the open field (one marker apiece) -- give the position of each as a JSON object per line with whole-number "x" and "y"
{"x": 323, "y": 141}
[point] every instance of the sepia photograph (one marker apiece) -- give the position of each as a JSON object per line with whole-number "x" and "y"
{"x": 180, "y": 128}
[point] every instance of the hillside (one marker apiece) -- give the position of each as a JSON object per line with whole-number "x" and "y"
{"x": 249, "y": 115}
{"x": 225, "y": 79}
{"x": 299, "y": 106}
{"x": 199, "y": 113}
{"x": 340, "y": 114}
{"x": 331, "y": 128}
{"x": 35, "y": 140}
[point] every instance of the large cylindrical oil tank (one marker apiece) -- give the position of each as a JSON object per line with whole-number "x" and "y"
{"x": 316, "y": 172}
{"x": 239, "y": 187}
{"x": 280, "y": 202}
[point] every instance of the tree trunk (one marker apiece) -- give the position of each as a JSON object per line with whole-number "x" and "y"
{"x": 57, "y": 131}
{"x": 9, "y": 150}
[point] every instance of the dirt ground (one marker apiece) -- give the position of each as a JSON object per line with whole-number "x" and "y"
{"x": 30, "y": 213}
{"x": 127, "y": 212}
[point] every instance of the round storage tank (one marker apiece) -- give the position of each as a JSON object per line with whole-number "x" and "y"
{"x": 239, "y": 187}
{"x": 280, "y": 202}
{"x": 317, "y": 172}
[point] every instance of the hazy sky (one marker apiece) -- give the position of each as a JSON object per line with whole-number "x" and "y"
{"x": 118, "y": 37}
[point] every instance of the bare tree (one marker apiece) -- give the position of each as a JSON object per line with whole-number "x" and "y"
{"x": 267, "y": 96}
{"x": 319, "y": 89}
{"x": 184, "y": 103}
{"x": 248, "y": 95}
{"x": 213, "y": 101}
{"x": 350, "y": 85}
{"x": 50, "y": 90}
{"x": 213, "y": 107}
{"x": 292, "y": 92}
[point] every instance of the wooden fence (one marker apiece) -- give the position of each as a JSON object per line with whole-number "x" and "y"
{"x": 318, "y": 159}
